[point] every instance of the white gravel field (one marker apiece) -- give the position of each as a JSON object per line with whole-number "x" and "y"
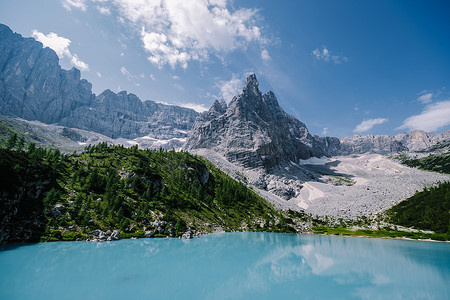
{"x": 377, "y": 183}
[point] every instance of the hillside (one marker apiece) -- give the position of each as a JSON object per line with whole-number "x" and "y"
{"x": 439, "y": 162}
{"x": 49, "y": 196}
{"x": 428, "y": 209}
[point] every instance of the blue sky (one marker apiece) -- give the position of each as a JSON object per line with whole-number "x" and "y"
{"x": 341, "y": 67}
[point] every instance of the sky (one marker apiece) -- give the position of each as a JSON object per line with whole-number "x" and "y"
{"x": 341, "y": 67}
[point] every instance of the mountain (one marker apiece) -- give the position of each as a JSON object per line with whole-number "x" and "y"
{"x": 255, "y": 141}
{"x": 124, "y": 115}
{"x": 254, "y": 131}
{"x": 67, "y": 140}
{"x": 384, "y": 144}
{"x": 34, "y": 87}
{"x": 32, "y": 84}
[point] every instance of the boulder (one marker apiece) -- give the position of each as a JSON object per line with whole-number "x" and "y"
{"x": 149, "y": 234}
{"x": 96, "y": 232}
{"x": 187, "y": 234}
{"x": 115, "y": 235}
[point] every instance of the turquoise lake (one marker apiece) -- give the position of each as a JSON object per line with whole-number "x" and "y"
{"x": 228, "y": 266}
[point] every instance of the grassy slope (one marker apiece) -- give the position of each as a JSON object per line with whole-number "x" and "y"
{"x": 127, "y": 189}
{"x": 433, "y": 162}
{"x": 430, "y": 208}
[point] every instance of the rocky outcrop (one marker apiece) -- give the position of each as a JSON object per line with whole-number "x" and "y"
{"x": 32, "y": 84}
{"x": 23, "y": 185}
{"x": 253, "y": 131}
{"x": 125, "y": 115}
{"x": 34, "y": 87}
{"x": 384, "y": 144}
{"x": 99, "y": 235}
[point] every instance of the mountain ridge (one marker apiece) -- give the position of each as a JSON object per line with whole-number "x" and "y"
{"x": 33, "y": 86}
{"x": 386, "y": 144}
{"x": 253, "y": 130}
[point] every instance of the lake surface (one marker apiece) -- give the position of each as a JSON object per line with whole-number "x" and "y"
{"x": 228, "y": 266}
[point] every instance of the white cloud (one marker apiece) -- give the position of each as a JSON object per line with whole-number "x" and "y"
{"x": 78, "y": 63}
{"x": 326, "y": 56}
{"x": 325, "y": 131}
{"x": 104, "y": 10}
{"x": 175, "y": 77}
{"x": 175, "y": 32}
{"x": 127, "y": 74}
{"x": 69, "y": 4}
{"x": 229, "y": 89}
{"x": 60, "y": 45}
{"x": 134, "y": 77}
{"x": 366, "y": 125}
{"x": 425, "y": 97}
{"x": 179, "y": 87}
{"x": 265, "y": 55}
{"x": 433, "y": 117}
{"x": 197, "y": 107}
{"x": 99, "y": 75}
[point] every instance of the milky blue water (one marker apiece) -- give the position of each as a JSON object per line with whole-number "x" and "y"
{"x": 228, "y": 266}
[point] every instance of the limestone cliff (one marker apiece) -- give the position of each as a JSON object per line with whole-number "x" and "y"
{"x": 254, "y": 131}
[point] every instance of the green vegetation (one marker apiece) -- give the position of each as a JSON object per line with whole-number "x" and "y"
{"x": 127, "y": 189}
{"x": 48, "y": 196}
{"x": 438, "y": 147}
{"x": 428, "y": 210}
{"x": 380, "y": 233}
{"x": 433, "y": 162}
{"x": 11, "y": 138}
{"x": 341, "y": 180}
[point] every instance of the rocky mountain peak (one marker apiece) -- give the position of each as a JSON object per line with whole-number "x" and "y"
{"x": 5, "y": 31}
{"x": 253, "y": 131}
{"x": 219, "y": 106}
{"x": 251, "y": 85}
{"x": 33, "y": 86}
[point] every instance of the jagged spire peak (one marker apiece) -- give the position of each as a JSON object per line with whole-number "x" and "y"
{"x": 251, "y": 83}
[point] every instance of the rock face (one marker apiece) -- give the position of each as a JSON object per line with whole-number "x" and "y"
{"x": 32, "y": 84}
{"x": 34, "y": 87}
{"x": 254, "y": 131}
{"x": 383, "y": 144}
{"x": 125, "y": 115}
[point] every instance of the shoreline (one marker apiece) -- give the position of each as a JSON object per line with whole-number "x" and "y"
{"x": 19, "y": 244}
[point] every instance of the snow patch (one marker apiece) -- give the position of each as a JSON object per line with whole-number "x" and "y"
{"x": 309, "y": 193}
{"x": 315, "y": 161}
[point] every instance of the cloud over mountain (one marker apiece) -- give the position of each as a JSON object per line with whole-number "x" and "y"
{"x": 433, "y": 117}
{"x": 366, "y": 125}
{"x": 61, "y": 46}
{"x": 174, "y": 32}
